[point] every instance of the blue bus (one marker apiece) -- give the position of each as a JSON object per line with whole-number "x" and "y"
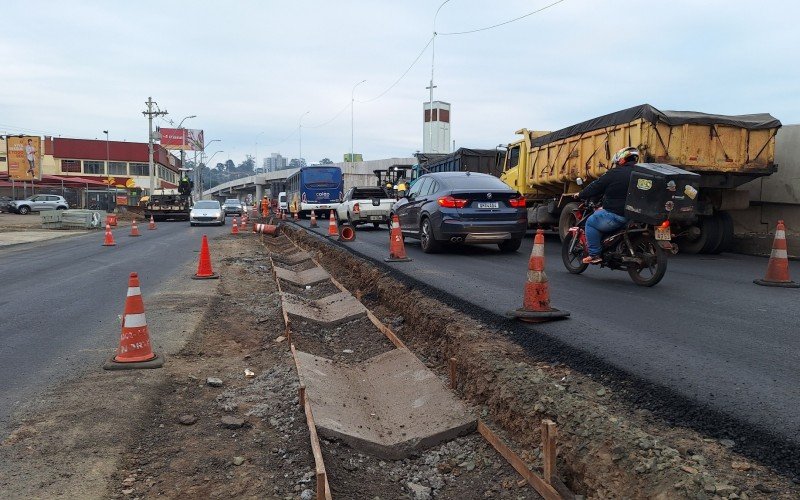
{"x": 318, "y": 188}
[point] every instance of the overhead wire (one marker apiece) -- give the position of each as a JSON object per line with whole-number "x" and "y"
{"x": 504, "y": 22}
{"x": 430, "y": 40}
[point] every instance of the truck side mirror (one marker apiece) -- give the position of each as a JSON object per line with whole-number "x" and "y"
{"x": 579, "y": 181}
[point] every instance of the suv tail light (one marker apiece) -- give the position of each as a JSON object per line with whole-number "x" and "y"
{"x": 517, "y": 202}
{"x": 356, "y": 208}
{"x": 450, "y": 202}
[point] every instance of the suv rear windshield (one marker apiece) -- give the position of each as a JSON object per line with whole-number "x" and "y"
{"x": 367, "y": 193}
{"x": 476, "y": 182}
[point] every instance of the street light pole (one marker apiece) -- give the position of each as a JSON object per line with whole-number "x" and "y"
{"x": 199, "y": 169}
{"x": 183, "y": 150}
{"x": 300, "y": 122}
{"x": 352, "y": 126}
{"x": 256, "y": 165}
{"x": 108, "y": 167}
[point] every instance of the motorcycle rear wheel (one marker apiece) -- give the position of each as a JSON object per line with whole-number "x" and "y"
{"x": 655, "y": 259}
{"x": 572, "y": 255}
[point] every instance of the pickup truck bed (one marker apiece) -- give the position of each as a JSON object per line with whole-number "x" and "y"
{"x": 365, "y": 205}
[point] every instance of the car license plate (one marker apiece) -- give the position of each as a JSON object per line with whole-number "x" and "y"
{"x": 374, "y": 217}
{"x": 663, "y": 234}
{"x": 492, "y": 204}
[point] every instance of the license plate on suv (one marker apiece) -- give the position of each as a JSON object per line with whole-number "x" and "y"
{"x": 488, "y": 204}
{"x": 375, "y": 217}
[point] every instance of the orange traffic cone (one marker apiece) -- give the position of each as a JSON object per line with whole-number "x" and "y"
{"x": 204, "y": 271}
{"x": 235, "y": 227}
{"x": 536, "y": 299}
{"x": 152, "y": 223}
{"x": 134, "y": 229}
{"x": 296, "y": 216}
{"x": 134, "y": 342}
{"x": 397, "y": 250}
{"x": 778, "y": 267}
{"x": 333, "y": 228}
{"x": 313, "y": 219}
{"x": 109, "y": 239}
{"x": 347, "y": 233}
{"x": 244, "y": 223}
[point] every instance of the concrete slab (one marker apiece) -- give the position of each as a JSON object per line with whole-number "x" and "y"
{"x": 291, "y": 259}
{"x": 332, "y": 310}
{"x": 390, "y": 406}
{"x": 302, "y": 278}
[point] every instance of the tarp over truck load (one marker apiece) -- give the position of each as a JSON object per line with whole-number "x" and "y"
{"x": 739, "y": 145}
{"x": 484, "y": 161}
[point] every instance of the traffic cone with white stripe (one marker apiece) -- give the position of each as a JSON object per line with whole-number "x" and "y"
{"x": 536, "y": 298}
{"x": 152, "y": 223}
{"x": 397, "y": 249}
{"x": 134, "y": 342}
{"x": 778, "y": 267}
{"x": 333, "y": 228}
{"x": 235, "y": 227}
{"x": 108, "y": 241}
{"x": 134, "y": 229}
{"x": 313, "y": 219}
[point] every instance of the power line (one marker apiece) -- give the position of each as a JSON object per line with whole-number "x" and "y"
{"x": 503, "y": 23}
{"x": 404, "y": 73}
{"x": 338, "y": 114}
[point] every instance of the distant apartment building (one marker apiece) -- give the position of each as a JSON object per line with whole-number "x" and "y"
{"x": 275, "y": 162}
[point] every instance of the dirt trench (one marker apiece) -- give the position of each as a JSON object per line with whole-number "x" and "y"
{"x": 606, "y": 449}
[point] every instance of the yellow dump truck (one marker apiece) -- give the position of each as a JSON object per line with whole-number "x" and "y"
{"x": 727, "y": 151}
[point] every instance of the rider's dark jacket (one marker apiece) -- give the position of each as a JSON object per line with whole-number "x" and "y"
{"x": 613, "y": 185}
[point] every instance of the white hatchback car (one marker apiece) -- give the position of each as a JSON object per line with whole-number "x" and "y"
{"x": 207, "y": 212}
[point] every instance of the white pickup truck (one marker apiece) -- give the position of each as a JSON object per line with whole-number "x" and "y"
{"x": 366, "y": 205}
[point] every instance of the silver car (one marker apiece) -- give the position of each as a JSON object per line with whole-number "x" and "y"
{"x": 37, "y": 203}
{"x": 207, "y": 212}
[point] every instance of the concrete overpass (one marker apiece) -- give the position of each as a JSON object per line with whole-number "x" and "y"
{"x": 355, "y": 174}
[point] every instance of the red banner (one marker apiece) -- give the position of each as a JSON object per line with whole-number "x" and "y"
{"x": 182, "y": 138}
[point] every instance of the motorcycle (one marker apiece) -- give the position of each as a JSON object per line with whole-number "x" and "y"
{"x": 638, "y": 248}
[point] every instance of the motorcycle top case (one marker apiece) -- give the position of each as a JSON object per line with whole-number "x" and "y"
{"x": 660, "y": 192}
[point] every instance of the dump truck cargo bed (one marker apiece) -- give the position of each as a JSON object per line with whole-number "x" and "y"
{"x": 742, "y": 145}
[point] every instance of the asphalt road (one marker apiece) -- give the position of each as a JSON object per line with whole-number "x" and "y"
{"x": 706, "y": 331}
{"x": 60, "y": 299}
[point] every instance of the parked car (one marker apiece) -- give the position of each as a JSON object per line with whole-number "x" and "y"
{"x": 233, "y": 206}
{"x": 462, "y": 207}
{"x": 5, "y": 204}
{"x": 365, "y": 205}
{"x": 38, "y": 202}
{"x": 207, "y": 212}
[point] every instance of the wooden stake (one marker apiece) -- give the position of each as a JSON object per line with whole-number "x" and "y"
{"x": 541, "y": 487}
{"x": 453, "y": 375}
{"x": 301, "y": 395}
{"x": 549, "y": 435}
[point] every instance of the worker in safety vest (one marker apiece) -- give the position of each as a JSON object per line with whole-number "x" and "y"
{"x": 264, "y": 203}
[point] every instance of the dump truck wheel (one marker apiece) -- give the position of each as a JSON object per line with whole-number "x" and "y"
{"x": 567, "y": 219}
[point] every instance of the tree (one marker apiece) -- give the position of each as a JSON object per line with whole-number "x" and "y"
{"x": 248, "y": 165}
{"x": 230, "y": 166}
{"x": 220, "y": 167}
{"x": 296, "y": 163}
{"x": 326, "y": 161}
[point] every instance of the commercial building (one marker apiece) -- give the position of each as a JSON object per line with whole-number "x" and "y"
{"x": 94, "y": 173}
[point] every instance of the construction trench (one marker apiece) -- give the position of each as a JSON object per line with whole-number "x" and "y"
{"x": 362, "y": 389}
{"x": 265, "y": 398}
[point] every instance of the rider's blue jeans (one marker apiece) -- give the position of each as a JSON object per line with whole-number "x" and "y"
{"x": 600, "y": 222}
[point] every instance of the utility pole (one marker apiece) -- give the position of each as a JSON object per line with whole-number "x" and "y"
{"x": 150, "y": 114}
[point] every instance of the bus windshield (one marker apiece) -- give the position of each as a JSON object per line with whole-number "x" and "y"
{"x": 322, "y": 177}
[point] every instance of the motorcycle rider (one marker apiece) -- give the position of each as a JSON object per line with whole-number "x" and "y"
{"x": 613, "y": 186}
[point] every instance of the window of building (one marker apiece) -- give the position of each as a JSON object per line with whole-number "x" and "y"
{"x": 117, "y": 168}
{"x": 141, "y": 169}
{"x": 93, "y": 167}
{"x": 71, "y": 166}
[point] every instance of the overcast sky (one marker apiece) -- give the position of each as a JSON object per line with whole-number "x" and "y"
{"x": 74, "y": 69}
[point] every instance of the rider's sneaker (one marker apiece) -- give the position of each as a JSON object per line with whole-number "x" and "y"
{"x": 592, "y": 259}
